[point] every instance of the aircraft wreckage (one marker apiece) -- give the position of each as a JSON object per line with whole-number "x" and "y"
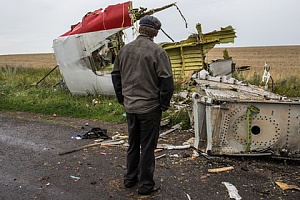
{"x": 85, "y": 53}
{"x": 229, "y": 117}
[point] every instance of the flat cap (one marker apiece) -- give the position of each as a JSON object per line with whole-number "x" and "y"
{"x": 150, "y": 21}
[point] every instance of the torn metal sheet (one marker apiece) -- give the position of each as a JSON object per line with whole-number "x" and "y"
{"x": 188, "y": 56}
{"x": 224, "y": 67}
{"x": 85, "y": 53}
{"x": 169, "y": 146}
{"x": 74, "y": 49}
{"x": 173, "y": 128}
{"x": 236, "y": 119}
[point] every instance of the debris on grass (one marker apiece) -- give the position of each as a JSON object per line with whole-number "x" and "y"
{"x": 165, "y": 122}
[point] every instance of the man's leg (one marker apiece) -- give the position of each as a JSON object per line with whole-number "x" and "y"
{"x": 150, "y": 124}
{"x": 133, "y": 151}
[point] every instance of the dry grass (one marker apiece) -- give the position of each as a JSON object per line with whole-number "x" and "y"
{"x": 46, "y": 60}
{"x": 283, "y": 60}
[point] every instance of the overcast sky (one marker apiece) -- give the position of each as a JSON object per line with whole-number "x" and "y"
{"x": 30, "y": 26}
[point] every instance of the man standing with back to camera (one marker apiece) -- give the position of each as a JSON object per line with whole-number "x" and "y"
{"x": 143, "y": 82}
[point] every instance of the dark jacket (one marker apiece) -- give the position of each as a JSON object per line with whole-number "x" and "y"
{"x": 142, "y": 76}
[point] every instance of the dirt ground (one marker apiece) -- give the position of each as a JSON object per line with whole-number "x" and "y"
{"x": 31, "y": 167}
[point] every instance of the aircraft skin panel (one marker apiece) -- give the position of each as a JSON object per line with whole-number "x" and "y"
{"x": 273, "y": 127}
{"x": 84, "y": 82}
{"x": 73, "y": 49}
{"x": 114, "y": 16}
{"x": 74, "y": 63}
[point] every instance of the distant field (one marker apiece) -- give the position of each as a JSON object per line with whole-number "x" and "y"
{"x": 45, "y": 60}
{"x": 284, "y": 60}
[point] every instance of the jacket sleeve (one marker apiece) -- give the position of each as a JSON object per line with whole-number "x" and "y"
{"x": 117, "y": 83}
{"x": 164, "y": 73}
{"x": 166, "y": 92}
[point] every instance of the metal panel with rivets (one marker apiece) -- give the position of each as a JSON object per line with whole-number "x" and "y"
{"x": 232, "y": 129}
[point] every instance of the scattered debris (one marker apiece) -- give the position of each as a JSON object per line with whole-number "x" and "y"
{"x": 285, "y": 186}
{"x": 119, "y": 136}
{"x": 195, "y": 154}
{"x": 76, "y": 178}
{"x": 233, "y": 192}
{"x": 183, "y": 94}
{"x": 190, "y": 141}
{"x": 223, "y": 169}
{"x": 98, "y": 140}
{"x": 165, "y": 122}
{"x": 188, "y": 196}
{"x": 95, "y": 101}
{"x": 160, "y": 156}
{"x": 91, "y": 133}
{"x": 173, "y": 128}
{"x": 79, "y": 148}
{"x": 112, "y": 142}
{"x": 205, "y": 176}
{"x": 169, "y": 146}
{"x": 158, "y": 150}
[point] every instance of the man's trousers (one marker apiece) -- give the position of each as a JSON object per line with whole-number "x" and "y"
{"x": 143, "y": 130}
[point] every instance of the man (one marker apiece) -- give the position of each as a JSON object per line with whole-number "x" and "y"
{"x": 143, "y": 82}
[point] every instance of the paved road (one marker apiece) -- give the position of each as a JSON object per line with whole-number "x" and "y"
{"x": 32, "y": 169}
